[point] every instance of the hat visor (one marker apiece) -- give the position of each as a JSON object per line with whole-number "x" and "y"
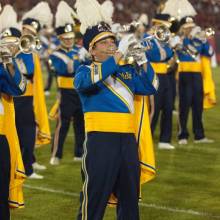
{"x": 101, "y": 36}
{"x": 30, "y": 28}
{"x": 188, "y": 25}
{"x": 161, "y": 22}
{"x": 68, "y": 35}
{"x": 10, "y": 39}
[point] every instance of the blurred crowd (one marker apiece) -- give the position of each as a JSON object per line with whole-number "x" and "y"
{"x": 128, "y": 10}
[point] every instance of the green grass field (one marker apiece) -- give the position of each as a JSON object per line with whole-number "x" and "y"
{"x": 187, "y": 185}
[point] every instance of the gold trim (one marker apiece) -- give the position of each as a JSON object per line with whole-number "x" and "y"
{"x": 2, "y": 131}
{"x": 31, "y": 28}
{"x": 158, "y": 21}
{"x": 99, "y": 37}
{"x": 190, "y": 67}
{"x": 159, "y": 68}
{"x": 85, "y": 184}
{"x": 109, "y": 122}
{"x": 92, "y": 73}
{"x": 65, "y": 82}
{"x": 119, "y": 80}
{"x": 118, "y": 95}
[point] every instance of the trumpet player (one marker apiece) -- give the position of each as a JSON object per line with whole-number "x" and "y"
{"x": 162, "y": 101}
{"x": 190, "y": 82}
{"x": 65, "y": 62}
{"x": 12, "y": 83}
{"x": 30, "y": 109}
{"x": 110, "y": 160}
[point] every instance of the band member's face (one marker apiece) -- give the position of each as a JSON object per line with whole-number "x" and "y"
{"x": 103, "y": 49}
{"x": 67, "y": 42}
{"x": 186, "y": 31}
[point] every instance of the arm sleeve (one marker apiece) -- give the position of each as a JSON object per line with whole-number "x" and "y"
{"x": 88, "y": 76}
{"x": 64, "y": 68}
{"x": 207, "y": 49}
{"x": 146, "y": 83}
{"x": 25, "y": 64}
{"x": 158, "y": 52}
{"x": 13, "y": 85}
{"x": 59, "y": 65}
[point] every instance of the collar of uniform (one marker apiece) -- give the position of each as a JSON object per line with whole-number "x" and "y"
{"x": 65, "y": 50}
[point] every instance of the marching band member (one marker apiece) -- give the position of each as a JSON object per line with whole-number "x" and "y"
{"x": 12, "y": 83}
{"x": 192, "y": 79}
{"x": 191, "y": 82}
{"x": 110, "y": 160}
{"x": 65, "y": 62}
{"x": 162, "y": 100}
{"x": 30, "y": 109}
{"x": 49, "y": 43}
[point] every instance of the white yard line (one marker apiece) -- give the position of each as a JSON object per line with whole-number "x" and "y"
{"x": 154, "y": 206}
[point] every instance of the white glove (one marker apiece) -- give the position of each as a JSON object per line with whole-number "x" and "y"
{"x": 6, "y": 55}
{"x": 141, "y": 59}
{"x": 125, "y": 42}
{"x": 174, "y": 41}
{"x": 138, "y": 54}
{"x": 83, "y": 54}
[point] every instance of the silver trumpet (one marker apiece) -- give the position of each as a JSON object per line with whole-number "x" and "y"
{"x": 161, "y": 33}
{"x": 205, "y": 34}
{"x": 26, "y": 44}
{"x": 127, "y": 27}
{"x": 29, "y": 43}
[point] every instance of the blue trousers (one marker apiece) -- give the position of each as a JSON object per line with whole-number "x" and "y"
{"x": 70, "y": 110}
{"x": 26, "y": 129}
{"x": 190, "y": 96}
{"x": 110, "y": 165}
{"x": 163, "y": 101}
{"x": 4, "y": 178}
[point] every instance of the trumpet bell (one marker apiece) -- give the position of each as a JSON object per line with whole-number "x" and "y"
{"x": 162, "y": 33}
{"x": 29, "y": 43}
{"x": 209, "y": 32}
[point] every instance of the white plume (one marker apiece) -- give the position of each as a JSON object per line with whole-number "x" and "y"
{"x": 143, "y": 19}
{"x": 42, "y": 13}
{"x": 8, "y": 18}
{"x": 90, "y": 13}
{"x": 108, "y": 8}
{"x": 179, "y": 8}
{"x": 64, "y": 14}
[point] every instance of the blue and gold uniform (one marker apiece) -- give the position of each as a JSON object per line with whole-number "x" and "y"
{"x": 163, "y": 99}
{"x": 11, "y": 167}
{"x": 107, "y": 93}
{"x": 48, "y": 44}
{"x": 191, "y": 86}
{"x": 65, "y": 64}
{"x": 24, "y": 113}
